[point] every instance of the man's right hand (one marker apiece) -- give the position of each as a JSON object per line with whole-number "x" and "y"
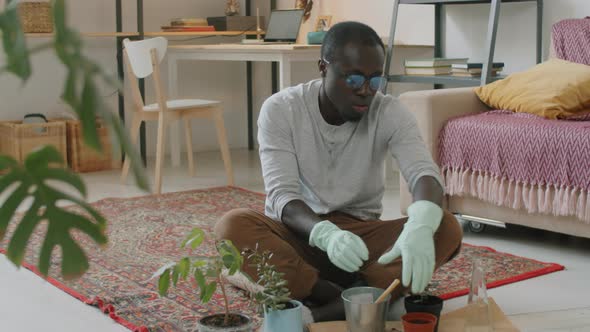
{"x": 345, "y": 249}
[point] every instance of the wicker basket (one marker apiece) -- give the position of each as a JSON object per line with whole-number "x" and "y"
{"x": 36, "y": 16}
{"x": 18, "y": 139}
{"x": 82, "y": 158}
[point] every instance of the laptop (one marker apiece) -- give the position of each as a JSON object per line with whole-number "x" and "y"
{"x": 283, "y": 27}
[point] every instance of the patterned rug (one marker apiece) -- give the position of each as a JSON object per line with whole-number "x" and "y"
{"x": 145, "y": 233}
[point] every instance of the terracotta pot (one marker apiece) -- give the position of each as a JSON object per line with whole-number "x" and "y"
{"x": 419, "y": 322}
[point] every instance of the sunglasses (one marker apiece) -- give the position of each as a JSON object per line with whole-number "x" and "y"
{"x": 357, "y": 81}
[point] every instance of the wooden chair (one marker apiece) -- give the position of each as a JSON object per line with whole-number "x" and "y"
{"x": 142, "y": 59}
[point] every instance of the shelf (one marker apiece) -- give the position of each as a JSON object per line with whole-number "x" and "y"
{"x": 202, "y": 33}
{"x": 453, "y": 2}
{"x": 87, "y": 34}
{"x": 152, "y": 34}
{"x": 110, "y": 34}
{"x": 441, "y": 79}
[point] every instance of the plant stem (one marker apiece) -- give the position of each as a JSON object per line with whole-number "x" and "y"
{"x": 220, "y": 282}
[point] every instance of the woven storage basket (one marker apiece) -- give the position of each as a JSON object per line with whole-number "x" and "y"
{"x": 35, "y": 16}
{"x": 18, "y": 139}
{"x": 83, "y": 158}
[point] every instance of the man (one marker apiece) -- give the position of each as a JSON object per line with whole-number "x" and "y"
{"x": 323, "y": 147}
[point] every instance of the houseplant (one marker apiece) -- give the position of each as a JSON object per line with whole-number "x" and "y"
{"x": 281, "y": 313}
{"x": 32, "y": 178}
{"x": 207, "y": 274}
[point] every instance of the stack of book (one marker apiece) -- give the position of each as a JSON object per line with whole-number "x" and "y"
{"x": 433, "y": 66}
{"x": 188, "y": 25}
{"x": 473, "y": 69}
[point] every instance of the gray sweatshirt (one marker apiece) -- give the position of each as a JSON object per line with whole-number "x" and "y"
{"x": 335, "y": 168}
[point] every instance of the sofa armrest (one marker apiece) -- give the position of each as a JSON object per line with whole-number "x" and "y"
{"x": 432, "y": 109}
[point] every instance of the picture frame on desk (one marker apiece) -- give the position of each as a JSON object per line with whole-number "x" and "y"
{"x": 323, "y": 23}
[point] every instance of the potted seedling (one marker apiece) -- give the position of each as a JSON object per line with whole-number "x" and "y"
{"x": 281, "y": 313}
{"x": 207, "y": 274}
{"x": 424, "y": 302}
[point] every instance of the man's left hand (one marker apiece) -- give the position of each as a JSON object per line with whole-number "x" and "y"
{"x": 416, "y": 245}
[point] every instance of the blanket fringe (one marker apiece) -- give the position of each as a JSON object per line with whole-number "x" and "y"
{"x": 547, "y": 199}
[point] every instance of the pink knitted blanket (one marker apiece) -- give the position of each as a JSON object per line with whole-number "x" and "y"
{"x": 519, "y": 160}
{"x": 571, "y": 40}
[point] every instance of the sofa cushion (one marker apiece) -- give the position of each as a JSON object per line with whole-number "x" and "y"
{"x": 556, "y": 89}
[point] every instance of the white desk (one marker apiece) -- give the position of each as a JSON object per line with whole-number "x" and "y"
{"x": 284, "y": 54}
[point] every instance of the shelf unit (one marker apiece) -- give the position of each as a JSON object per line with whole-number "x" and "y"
{"x": 438, "y": 80}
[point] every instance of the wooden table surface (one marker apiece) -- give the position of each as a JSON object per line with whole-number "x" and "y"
{"x": 451, "y": 322}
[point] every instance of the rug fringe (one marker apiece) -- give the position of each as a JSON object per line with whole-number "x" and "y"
{"x": 558, "y": 200}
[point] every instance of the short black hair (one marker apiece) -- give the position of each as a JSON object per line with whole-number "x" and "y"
{"x": 344, "y": 33}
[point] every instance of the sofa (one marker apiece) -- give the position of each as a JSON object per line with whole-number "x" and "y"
{"x": 502, "y": 186}
{"x": 433, "y": 109}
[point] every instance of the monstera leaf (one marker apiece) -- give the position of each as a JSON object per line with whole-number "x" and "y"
{"x": 13, "y": 42}
{"x": 31, "y": 182}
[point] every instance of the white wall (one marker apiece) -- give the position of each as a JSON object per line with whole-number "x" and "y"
{"x": 415, "y": 23}
{"x": 466, "y": 28}
{"x": 225, "y": 81}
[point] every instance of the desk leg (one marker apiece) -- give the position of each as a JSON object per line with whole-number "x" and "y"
{"x": 175, "y": 130}
{"x": 285, "y": 73}
{"x": 250, "y": 105}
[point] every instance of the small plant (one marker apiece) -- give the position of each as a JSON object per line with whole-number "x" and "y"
{"x": 275, "y": 294}
{"x": 206, "y": 271}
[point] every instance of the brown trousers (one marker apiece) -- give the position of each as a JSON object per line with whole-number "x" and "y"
{"x": 303, "y": 264}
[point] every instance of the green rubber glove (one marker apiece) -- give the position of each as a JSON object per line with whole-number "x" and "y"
{"x": 345, "y": 249}
{"x": 416, "y": 245}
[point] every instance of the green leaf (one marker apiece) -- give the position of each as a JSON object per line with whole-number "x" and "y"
{"x": 14, "y": 43}
{"x": 65, "y": 176}
{"x": 62, "y": 223}
{"x": 87, "y": 113}
{"x": 74, "y": 263}
{"x": 195, "y": 238}
{"x": 200, "y": 278}
{"x": 59, "y": 17}
{"x": 7, "y": 162}
{"x": 231, "y": 257}
{"x": 209, "y": 290}
{"x": 199, "y": 264}
{"x": 175, "y": 275}
{"x": 69, "y": 94}
{"x": 164, "y": 283}
{"x": 16, "y": 248}
{"x": 129, "y": 150}
{"x": 184, "y": 267}
{"x": 42, "y": 157}
{"x": 228, "y": 261}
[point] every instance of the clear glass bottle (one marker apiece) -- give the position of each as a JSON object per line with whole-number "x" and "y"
{"x": 479, "y": 317}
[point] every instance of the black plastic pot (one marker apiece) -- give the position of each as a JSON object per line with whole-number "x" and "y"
{"x": 211, "y": 323}
{"x": 424, "y": 303}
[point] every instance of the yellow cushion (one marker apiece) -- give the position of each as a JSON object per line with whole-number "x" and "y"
{"x": 555, "y": 89}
